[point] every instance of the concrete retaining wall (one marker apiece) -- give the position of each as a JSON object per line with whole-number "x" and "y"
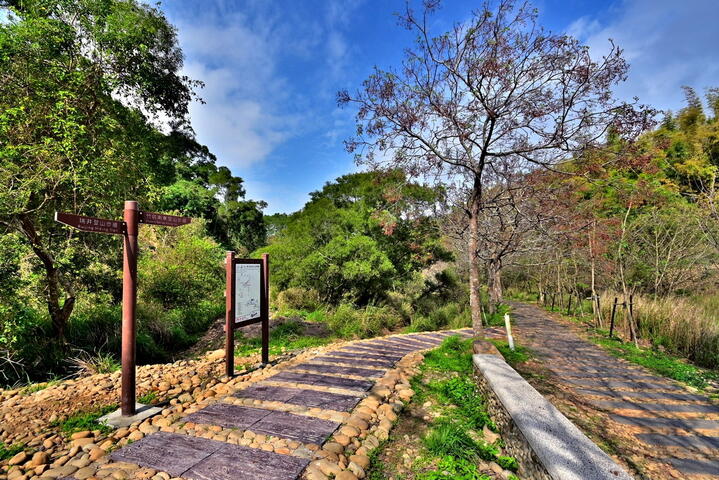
{"x": 547, "y": 445}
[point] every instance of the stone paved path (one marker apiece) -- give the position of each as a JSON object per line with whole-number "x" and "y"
{"x": 678, "y": 427}
{"x": 330, "y": 383}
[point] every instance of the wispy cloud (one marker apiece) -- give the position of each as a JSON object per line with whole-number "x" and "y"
{"x": 667, "y": 43}
{"x": 237, "y": 58}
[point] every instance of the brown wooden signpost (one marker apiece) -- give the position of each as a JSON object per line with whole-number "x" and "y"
{"x": 246, "y": 302}
{"x": 129, "y": 229}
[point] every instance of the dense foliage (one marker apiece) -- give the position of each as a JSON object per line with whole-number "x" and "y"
{"x": 365, "y": 255}
{"x": 358, "y": 238}
{"x": 94, "y": 111}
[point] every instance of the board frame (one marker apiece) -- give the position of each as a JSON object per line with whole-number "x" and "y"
{"x": 263, "y": 299}
{"x": 230, "y": 315}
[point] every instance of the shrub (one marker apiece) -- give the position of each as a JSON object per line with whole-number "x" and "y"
{"x": 297, "y": 298}
{"x": 95, "y": 323}
{"x": 349, "y": 322}
{"x": 674, "y": 323}
{"x": 450, "y": 315}
{"x": 91, "y": 363}
{"x": 185, "y": 266}
{"x": 352, "y": 268}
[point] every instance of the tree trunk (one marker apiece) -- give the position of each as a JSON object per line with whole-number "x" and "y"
{"x": 475, "y": 304}
{"x": 494, "y": 281}
{"x": 59, "y": 314}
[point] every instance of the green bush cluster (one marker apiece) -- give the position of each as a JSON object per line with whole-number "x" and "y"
{"x": 180, "y": 285}
{"x": 347, "y": 321}
{"x": 357, "y": 239}
{"x": 420, "y": 304}
{"x": 297, "y": 298}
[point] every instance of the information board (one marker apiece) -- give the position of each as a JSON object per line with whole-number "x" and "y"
{"x": 248, "y": 291}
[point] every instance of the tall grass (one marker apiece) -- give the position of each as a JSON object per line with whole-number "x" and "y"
{"x": 683, "y": 326}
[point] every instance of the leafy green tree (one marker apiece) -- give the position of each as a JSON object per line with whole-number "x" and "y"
{"x": 82, "y": 82}
{"x": 357, "y": 237}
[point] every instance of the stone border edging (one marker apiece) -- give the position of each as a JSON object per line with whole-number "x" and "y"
{"x": 552, "y": 447}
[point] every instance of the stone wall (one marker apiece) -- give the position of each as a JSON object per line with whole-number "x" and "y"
{"x": 547, "y": 445}
{"x": 515, "y": 444}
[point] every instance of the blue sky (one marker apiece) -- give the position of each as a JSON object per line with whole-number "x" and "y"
{"x": 272, "y": 69}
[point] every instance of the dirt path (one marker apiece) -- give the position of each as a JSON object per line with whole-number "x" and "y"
{"x": 654, "y": 424}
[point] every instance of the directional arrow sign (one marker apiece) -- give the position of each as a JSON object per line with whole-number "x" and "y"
{"x": 91, "y": 224}
{"x": 162, "y": 219}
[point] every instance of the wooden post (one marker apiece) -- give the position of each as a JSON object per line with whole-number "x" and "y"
{"x": 230, "y": 314}
{"x": 266, "y": 310}
{"x": 508, "y": 327}
{"x": 611, "y": 322}
{"x": 129, "y": 302}
{"x": 631, "y": 313}
{"x": 128, "y": 228}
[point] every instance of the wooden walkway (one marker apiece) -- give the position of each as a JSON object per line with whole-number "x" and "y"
{"x": 328, "y": 385}
{"x": 679, "y": 429}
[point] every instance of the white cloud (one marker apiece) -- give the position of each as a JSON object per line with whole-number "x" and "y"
{"x": 5, "y": 15}
{"x": 667, "y": 43}
{"x": 583, "y": 27}
{"x": 242, "y": 53}
{"x": 236, "y": 57}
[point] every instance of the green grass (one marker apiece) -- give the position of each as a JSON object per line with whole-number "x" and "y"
{"x": 520, "y": 354}
{"x": 377, "y": 470}
{"x": 453, "y": 444}
{"x": 449, "y": 437}
{"x": 451, "y": 468}
{"x": 285, "y": 337}
{"x": 9, "y": 451}
{"x": 85, "y": 421}
{"x": 454, "y": 355}
{"x": 454, "y": 441}
{"x": 496, "y": 319}
{"x": 148, "y": 398}
{"x": 37, "y": 387}
{"x": 659, "y": 362}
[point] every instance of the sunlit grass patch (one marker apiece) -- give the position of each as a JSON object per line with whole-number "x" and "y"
{"x": 520, "y": 354}
{"x": 285, "y": 337}
{"x": 659, "y": 362}
{"x": 453, "y": 355}
{"x": 9, "y": 451}
{"x": 85, "y": 421}
{"x": 148, "y": 398}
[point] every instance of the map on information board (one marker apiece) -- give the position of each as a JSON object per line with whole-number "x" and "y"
{"x": 248, "y": 287}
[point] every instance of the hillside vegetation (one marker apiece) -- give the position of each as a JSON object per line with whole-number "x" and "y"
{"x": 642, "y": 227}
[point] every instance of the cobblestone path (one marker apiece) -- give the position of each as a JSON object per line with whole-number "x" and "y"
{"x": 679, "y": 428}
{"x": 292, "y": 413}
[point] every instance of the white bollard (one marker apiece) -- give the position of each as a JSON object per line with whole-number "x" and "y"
{"x": 508, "y": 326}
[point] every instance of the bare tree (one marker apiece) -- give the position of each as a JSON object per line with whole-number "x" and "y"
{"x": 497, "y": 86}
{"x": 514, "y": 219}
{"x": 670, "y": 248}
